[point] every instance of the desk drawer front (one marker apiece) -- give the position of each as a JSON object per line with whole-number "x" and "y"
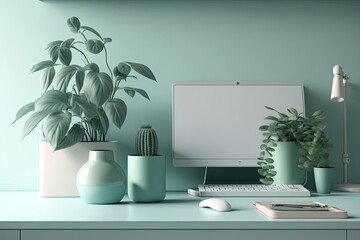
{"x": 183, "y": 234}
{"x": 10, "y": 234}
{"x": 353, "y": 235}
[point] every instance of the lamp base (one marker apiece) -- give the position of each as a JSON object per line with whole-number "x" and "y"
{"x": 347, "y": 187}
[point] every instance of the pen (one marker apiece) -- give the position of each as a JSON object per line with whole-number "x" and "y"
{"x": 299, "y": 205}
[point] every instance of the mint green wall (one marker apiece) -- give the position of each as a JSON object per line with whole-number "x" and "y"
{"x": 192, "y": 41}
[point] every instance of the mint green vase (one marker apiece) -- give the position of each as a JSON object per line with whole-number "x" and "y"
{"x": 101, "y": 180}
{"x": 323, "y": 179}
{"x": 286, "y": 160}
{"x": 146, "y": 178}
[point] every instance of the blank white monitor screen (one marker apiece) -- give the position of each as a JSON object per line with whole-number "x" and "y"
{"x": 217, "y": 125}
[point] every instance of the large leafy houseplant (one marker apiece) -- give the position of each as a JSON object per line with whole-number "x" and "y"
{"x": 79, "y": 101}
{"x": 307, "y": 132}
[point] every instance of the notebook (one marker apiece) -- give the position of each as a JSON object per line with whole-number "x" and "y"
{"x": 293, "y": 209}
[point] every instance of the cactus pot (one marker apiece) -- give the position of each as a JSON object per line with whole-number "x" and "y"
{"x": 146, "y": 178}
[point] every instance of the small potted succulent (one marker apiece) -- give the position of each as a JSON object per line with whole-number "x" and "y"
{"x": 78, "y": 103}
{"x": 323, "y": 176}
{"x": 303, "y": 137}
{"x": 146, "y": 168}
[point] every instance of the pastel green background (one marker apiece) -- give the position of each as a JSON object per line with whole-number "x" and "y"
{"x": 182, "y": 41}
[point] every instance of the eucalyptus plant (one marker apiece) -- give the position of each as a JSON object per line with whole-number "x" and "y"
{"x": 307, "y": 132}
{"x": 79, "y": 100}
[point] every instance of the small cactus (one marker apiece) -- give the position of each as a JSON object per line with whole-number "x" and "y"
{"x": 146, "y": 141}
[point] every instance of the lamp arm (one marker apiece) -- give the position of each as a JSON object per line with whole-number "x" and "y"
{"x": 345, "y": 157}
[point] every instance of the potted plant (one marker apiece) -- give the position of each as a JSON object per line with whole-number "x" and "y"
{"x": 146, "y": 169}
{"x": 323, "y": 176}
{"x": 307, "y": 135}
{"x": 79, "y": 101}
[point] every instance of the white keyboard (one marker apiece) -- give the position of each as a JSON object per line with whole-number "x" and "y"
{"x": 253, "y": 190}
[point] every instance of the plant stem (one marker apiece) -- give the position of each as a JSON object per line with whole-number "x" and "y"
{"x": 107, "y": 63}
{"x": 81, "y": 53}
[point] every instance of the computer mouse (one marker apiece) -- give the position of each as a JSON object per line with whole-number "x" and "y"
{"x": 216, "y": 204}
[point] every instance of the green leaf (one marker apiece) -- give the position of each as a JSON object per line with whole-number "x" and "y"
{"x": 86, "y": 28}
{"x": 270, "y": 108}
{"x": 52, "y": 100}
{"x": 67, "y": 43}
{"x": 47, "y": 77}
{"x": 65, "y": 55}
{"x": 271, "y": 173}
{"x": 116, "y": 110}
{"x": 122, "y": 70}
{"x": 56, "y": 126}
{"x": 98, "y": 87}
{"x": 274, "y": 138}
{"x": 263, "y": 128}
{"x": 101, "y": 122}
{"x": 293, "y": 111}
{"x": 75, "y": 135}
{"x": 262, "y": 172}
{"x": 96, "y": 125}
{"x": 143, "y": 70}
{"x": 63, "y": 77}
{"x": 106, "y": 40}
{"x": 42, "y": 65}
{"x": 82, "y": 105}
{"x": 94, "y": 46}
{"x": 92, "y": 67}
{"x": 79, "y": 79}
{"x": 272, "y": 118}
{"x": 131, "y": 92}
{"x": 33, "y": 121}
{"x": 74, "y": 24}
{"x": 54, "y": 44}
{"x": 104, "y": 120}
{"x": 53, "y": 49}
{"x": 24, "y": 110}
{"x": 263, "y": 146}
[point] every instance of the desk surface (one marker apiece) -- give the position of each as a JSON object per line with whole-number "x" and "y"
{"x": 27, "y": 210}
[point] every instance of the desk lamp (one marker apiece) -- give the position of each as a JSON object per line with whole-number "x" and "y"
{"x": 338, "y": 94}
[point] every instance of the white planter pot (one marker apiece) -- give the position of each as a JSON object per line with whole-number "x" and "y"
{"x": 58, "y": 170}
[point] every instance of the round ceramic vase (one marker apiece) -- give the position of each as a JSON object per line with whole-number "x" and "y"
{"x": 323, "y": 179}
{"x": 146, "y": 178}
{"x": 101, "y": 180}
{"x": 286, "y": 160}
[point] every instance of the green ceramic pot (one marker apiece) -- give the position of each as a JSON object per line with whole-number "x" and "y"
{"x": 286, "y": 160}
{"x": 101, "y": 180}
{"x": 323, "y": 179}
{"x": 146, "y": 178}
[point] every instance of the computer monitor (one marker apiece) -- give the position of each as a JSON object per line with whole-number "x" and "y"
{"x": 217, "y": 125}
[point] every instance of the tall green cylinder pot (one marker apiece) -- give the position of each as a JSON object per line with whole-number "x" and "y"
{"x": 286, "y": 160}
{"x": 146, "y": 178}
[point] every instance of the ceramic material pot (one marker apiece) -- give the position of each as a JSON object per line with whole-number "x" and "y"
{"x": 286, "y": 160}
{"x": 146, "y": 178}
{"x": 101, "y": 180}
{"x": 58, "y": 169}
{"x": 323, "y": 179}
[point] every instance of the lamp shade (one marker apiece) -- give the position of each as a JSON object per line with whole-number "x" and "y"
{"x": 337, "y": 90}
